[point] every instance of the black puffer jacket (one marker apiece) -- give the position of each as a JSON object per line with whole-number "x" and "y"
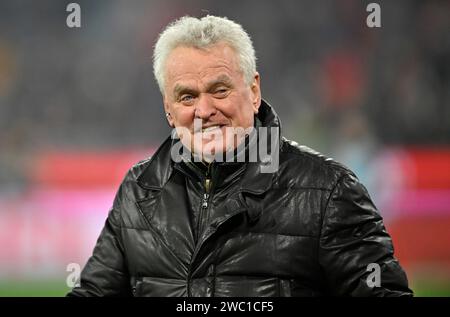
{"x": 309, "y": 229}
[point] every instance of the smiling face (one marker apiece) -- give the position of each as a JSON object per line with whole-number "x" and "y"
{"x": 207, "y": 86}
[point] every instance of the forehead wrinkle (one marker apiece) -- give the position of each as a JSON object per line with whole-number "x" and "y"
{"x": 190, "y": 61}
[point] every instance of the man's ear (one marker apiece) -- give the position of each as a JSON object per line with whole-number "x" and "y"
{"x": 256, "y": 92}
{"x": 167, "y": 113}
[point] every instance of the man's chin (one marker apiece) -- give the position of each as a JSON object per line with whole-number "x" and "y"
{"x": 211, "y": 155}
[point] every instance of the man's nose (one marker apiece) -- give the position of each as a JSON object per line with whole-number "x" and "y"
{"x": 204, "y": 107}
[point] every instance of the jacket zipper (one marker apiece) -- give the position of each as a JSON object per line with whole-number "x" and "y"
{"x": 203, "y": 210}
{"x": 197, "y": 249}
{"x": 205, "y": 201}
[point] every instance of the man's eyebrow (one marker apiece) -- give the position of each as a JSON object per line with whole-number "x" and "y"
{"x": 180, "y": 89}
{"x": 222, "y": 79}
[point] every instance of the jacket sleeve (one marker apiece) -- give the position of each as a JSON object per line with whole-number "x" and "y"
{"x": 355, "y": 251}
{"x": 105, "y": 273}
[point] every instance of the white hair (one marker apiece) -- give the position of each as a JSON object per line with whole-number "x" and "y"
{"x": 202, "y": 33}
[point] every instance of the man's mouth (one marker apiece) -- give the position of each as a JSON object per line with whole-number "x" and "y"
{"x": 211, "y": 128}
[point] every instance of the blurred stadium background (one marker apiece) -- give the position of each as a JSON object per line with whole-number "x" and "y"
{"x": 79, "y": 106}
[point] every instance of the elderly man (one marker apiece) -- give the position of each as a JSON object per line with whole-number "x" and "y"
{"x": 211, "y": 218}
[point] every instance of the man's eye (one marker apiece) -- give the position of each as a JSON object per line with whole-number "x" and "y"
{"x": 186, "y": 98}
{"x": 221, "y": 92}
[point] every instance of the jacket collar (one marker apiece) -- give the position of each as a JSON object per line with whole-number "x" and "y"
{"x": 161, "y": 166}
{"x": 159, "y": 169}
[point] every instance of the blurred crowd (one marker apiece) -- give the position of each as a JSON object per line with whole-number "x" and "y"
{"x": 338, "y": 85}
